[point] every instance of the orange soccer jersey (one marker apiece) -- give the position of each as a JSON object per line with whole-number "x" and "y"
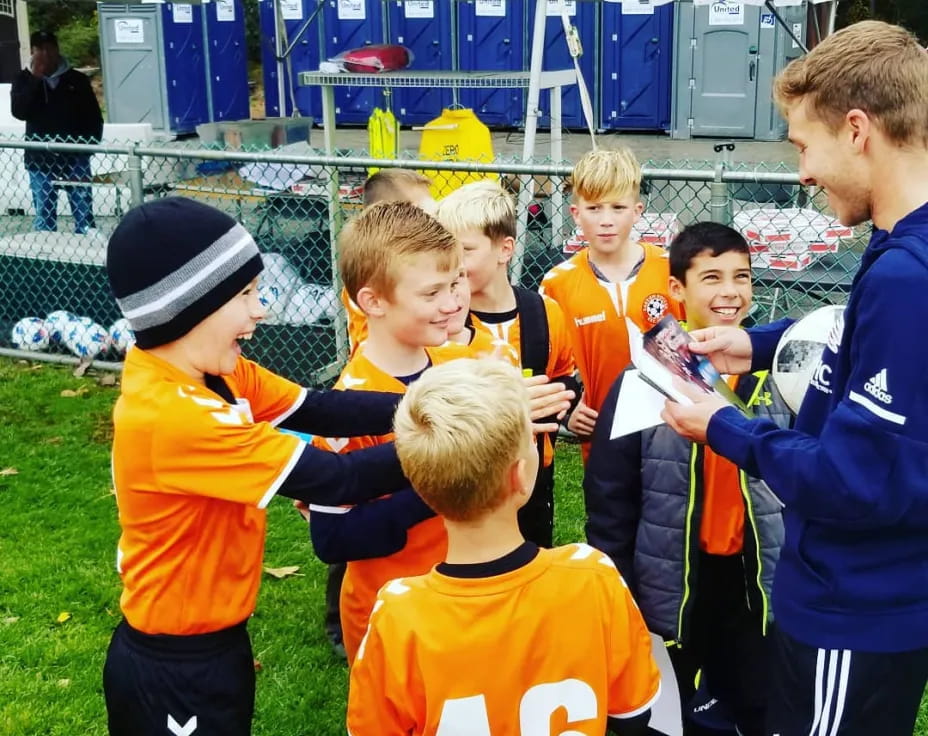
{"x": 560, "y": 355}
{"x": 426, "y": 542}
{"x": 595, "y": 312}
{"x": 192, "y": 475}
{"x": 554, "y": 646}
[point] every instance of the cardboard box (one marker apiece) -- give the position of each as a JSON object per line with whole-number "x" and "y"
{"x": 791, "y": 229}
{"x": 657, "y": 228}
{"x": 783, "y": 261}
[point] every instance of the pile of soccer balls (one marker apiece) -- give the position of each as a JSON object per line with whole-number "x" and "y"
{"x": 78, "y": 335}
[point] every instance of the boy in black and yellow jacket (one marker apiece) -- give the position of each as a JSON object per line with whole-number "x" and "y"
{"x": 694, "y": 536}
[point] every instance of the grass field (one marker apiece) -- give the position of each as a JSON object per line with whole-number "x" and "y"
{"x": 59, "y": 589}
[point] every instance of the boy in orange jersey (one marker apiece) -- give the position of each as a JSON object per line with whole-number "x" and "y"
{"x": 482, "y": 216}
{"x": 197, "y": 456}
{"x": 400, "y": 265}
{"x": 614, "y": 278}
{"x": 386, "y": 185}
{"x": 502, "y": 637}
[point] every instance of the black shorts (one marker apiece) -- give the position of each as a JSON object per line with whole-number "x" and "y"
{"x": 536, "y": 517}
{"x": 839, "y": 692}
{"x": 200, "y": 685}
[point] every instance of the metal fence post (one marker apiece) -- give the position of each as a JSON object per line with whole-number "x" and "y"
{"x": 136, "y": 185}
{"x": 719, "y": 194}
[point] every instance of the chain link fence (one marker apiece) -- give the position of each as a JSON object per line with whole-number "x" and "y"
{"x": 57, "y": 302}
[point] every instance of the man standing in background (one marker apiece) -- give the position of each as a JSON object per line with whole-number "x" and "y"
{"x": 57, "y": 103}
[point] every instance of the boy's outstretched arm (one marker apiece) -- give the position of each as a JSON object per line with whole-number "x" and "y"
{"x": 377, "y": 528}
{"x": 342, "y": 413}
{"x": 330, "y": 479}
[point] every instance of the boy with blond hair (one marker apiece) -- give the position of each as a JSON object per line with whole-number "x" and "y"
{"x": 850, "y": 646}
{"x": 482, "y": 217}
{"x": 400, "y": 265}
{"x": 614, "y": 278}
{"x": 502, "y": 636}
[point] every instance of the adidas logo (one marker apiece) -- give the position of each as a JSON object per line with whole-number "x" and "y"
{"x": 877, "y": 388}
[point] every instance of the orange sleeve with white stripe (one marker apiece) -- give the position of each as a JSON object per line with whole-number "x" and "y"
{"x": 634, "y": 679}
{"x": 373, "y": 708}
{"x": 211, "y": 449}
{"x": 271, "y": 397}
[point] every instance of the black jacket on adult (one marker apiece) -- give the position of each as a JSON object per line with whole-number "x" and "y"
{"x": 66, "y": 112}
{"x": 644, "y": 502}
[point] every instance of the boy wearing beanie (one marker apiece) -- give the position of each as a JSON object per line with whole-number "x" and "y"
{"x": 196, "y": 459}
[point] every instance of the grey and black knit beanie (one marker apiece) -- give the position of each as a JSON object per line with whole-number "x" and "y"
{"x": 173, "y": 262}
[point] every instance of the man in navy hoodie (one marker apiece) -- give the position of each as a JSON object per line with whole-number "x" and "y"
{"x": 850, "y": 594}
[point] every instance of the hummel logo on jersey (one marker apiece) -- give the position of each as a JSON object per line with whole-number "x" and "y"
{"x": 877, "y": 388}
{"x": 593, "y": 318}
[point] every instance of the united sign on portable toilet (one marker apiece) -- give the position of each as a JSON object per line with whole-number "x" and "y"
{"x": 303, "y": 57}
{"x": 636, "y": 61}
{"x": 424, "y": 27}
{"x": 490, "y": 38}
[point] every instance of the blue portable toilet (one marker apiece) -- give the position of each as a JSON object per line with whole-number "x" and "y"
{"x": 424, "y": 27}
{"x": 583, "y": 15}
{"x": 227, "y": 60}
{"x": 490, "y": 38}
{"x": 636, "y": 62}
{"x": 153, "y": 61}
{"x": 351, "y": 24}
{"x": 303, "y": 58}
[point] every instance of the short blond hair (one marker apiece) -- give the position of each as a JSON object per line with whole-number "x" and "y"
{"x": 606, "y": 173}
{"x": 871, "y": 66}
{"x": 459, "y": 428}
{"x": 373, "y": 246}
{"x": 480, "y": 205}
{"x": 393, "y": 185}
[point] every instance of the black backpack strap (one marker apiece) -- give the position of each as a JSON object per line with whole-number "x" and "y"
{"x": 534, "y": 340}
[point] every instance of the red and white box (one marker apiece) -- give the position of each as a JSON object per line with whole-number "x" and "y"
{"x": 792, "y": 229}
{"x": 784, "y": 261}
{"x": 576, "y": 242}
{"x": 657, "y": 228}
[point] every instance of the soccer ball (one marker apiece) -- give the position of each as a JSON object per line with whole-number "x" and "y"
{"x": 799, "y": 352}
{"x": 85, "y": 338}
{"x": 122, "y": 336}
{"x": 30, "y": 333}
{"x": 56, "y": 322}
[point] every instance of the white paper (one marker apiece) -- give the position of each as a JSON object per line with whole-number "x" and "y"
{"x": 183, "y": 13}
{"x": 351, "y": 10}
{"x": 555, "y": 7}
{"x": 490, "y": 8}
{"x": 797, "y": 32}
{"x": 225, "y": 10}
{"x": 291, "y": 9}
{"x": 637, "y": 7}
{"x": 419, "y": 9}
{"x": 129, "y": 30}
{"x": 638, "y": 406}
{"x": 726, "y": 13}
{"x": 666, "y": 715}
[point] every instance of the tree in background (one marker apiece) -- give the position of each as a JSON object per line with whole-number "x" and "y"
{"x": 913, "y": 14}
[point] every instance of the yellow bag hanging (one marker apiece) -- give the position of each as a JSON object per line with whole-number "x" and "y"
{"x": 456, "y": 135}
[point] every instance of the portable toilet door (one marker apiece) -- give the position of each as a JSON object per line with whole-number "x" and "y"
{"x": 132, "y": 65}
{"x": 352, "y": 24}
{"x": 228, "y": 63}
{"x": 490, "y": 39}
{"x": 424, "y": 27}
{"x": 185, "y": 66}
{"x": 303, "y": 58}
{"x": 636, "y": 58}
{"x": 583, "y": 15}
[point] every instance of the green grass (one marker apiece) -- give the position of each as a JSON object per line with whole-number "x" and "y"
{"x": 57, "y": 547}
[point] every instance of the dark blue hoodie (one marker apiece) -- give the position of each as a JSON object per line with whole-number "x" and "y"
{"x": 853, "y": 573}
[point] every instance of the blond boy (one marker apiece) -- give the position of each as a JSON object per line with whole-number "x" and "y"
{"x": 502, "y": 636}
{"x": 399, "y": 266}
{"x": 614, "y": 278}
{"x": 482, "y": 217}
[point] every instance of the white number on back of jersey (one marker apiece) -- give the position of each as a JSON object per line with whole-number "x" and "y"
{"x": 468, "y": 716}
